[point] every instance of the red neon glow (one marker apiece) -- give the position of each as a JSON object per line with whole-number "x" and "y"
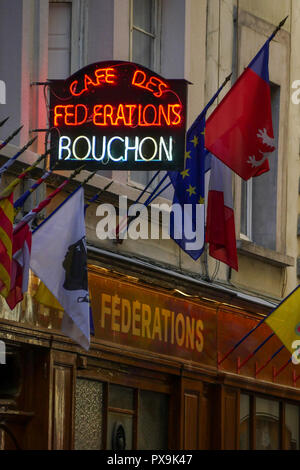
{"x": 129, "y": 115}
{"x": 70, "y": 115}
{"x": 106, "y": 75}
{"x": 123, "y": 115}
{"x": 153, "y": 84}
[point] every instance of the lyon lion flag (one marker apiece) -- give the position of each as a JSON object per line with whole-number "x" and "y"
{"x": 59, "y": 259}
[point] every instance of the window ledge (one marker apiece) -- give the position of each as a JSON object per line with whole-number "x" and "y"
{"x": 264, "y": 254}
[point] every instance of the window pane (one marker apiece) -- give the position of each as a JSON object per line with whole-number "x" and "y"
{"x": 143, "y": 14}
{"x": 153, "y": 421}
{"x": 121, "y": 397}
{"x": 88, "y": 415}
{"x": 291, "y": 430}
{"x": 59, "y": 40}
{"x": 264, "y": 196}
{"x": 267, "y": 424}
{"x": 244, "y": 422}
{"x": 142, "y": 49}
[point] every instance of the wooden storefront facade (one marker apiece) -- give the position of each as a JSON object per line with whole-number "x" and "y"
{"x": 152, "y": 370}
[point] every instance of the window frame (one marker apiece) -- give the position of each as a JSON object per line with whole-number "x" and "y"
{"x": 282, "y": 402}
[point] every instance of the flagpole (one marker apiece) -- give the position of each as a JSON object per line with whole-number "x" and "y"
{"x": 76, "y": 172}
{"x": 256, "y": 350}
{"x": 269, "y": 360}
{"x": 4, "y": 121}
{"x": 278, "y": 28}
{"x": 9, "y": 138}
{"x": 22, "y": 199}
{"x": 95, "y": 197}
{"x": 255, "y": 328}
{"x": 9, "y": 162}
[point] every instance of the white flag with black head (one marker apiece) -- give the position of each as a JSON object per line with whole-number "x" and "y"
{"x": 59, "y": 259}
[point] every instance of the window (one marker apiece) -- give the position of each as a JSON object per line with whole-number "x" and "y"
{"x": 145, "y": 33}
{"x": 145, "y": 19}
{"x": 66, "y": 39}
{"x": 59, "y": 39}
{"x": 106, "y": 413}
{"x": 268, "y": 424}
{"x": 259, "y": 195}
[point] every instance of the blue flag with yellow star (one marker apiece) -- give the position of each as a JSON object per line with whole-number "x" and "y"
{"x": 187, "y": 224}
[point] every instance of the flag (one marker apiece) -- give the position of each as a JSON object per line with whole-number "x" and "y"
{"x": 20, "y": 265}
{"x": 240, "y": 131}
{"x": 220, "y": 228}
{"x": 59, "y": 259}
{"x": 44, "y": 297}
{"x": 189, "y": 192}
{"x": 285, "y": 319}
{"x": 6, "y": 233}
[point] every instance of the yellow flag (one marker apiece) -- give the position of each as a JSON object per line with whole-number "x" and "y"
{"x": 45, "y": 297}
{"x": 285, "y": 320}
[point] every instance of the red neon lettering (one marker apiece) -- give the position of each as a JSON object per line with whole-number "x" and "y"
{"x": 88, "y": 81}
{"x": 131, "y": 108}
{"x": 177, "y": 114}
{"x": 105, "y": 76}
{"x": 162, "y": 113}
{"x": 155, "y": 85}
{"x": 73, "y": 87}
{"x": 70, "y": 114}
{"x": 156, "y": 82}
{"x": 120, "y": 115}
{"x": 97, "y": 113}
{"x": 110, "y": 76}
{"x": 85, "y": 110}
{"x": 57, "y": 114}
{"x": 147, "y": 124}
{"x": 134, "y": 79}
{"x": 108, "y": 113}
{"x": 102, "y": 76}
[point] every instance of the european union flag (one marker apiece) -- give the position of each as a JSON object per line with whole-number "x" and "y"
{"x": 187, "y": 225}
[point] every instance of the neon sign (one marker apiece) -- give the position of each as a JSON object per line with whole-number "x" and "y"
{"x": 118, "y": 115}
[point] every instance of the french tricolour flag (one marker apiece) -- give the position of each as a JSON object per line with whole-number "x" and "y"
{"x": 220, "y": 228}
{"x": 240, "y": 132}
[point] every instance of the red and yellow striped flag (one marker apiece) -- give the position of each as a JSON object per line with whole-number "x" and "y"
{"x": 6, "y": 232}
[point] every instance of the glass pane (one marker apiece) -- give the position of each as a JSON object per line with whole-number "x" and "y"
{"x": 114, "y": 421}
{"x": 244, "y": 207}
{"x": 244, "y": 422}
{"x": 153, "y": 421}
{"x": 59, "y": 40}
{"x": 264, "y": 196}
{"x": 291, "y": 431}
{"x": 120, "y": 397}
{"x": 143, "y": 14}
{"x": 142, "y": 49}
{"x": 267, "y": 424}
{"x": 88, "y": 415}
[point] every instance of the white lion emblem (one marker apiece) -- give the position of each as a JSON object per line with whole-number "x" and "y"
{"x": 266, "y": 140}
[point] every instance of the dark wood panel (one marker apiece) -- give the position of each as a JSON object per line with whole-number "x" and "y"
{"x": 230, "y": 427}
{"x": 191, "y": 411}
{"x": 63, "y": 400}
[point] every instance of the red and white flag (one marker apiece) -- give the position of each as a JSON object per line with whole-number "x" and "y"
{"x": 220, "y": 228}
{"x": 20, "y": 265}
